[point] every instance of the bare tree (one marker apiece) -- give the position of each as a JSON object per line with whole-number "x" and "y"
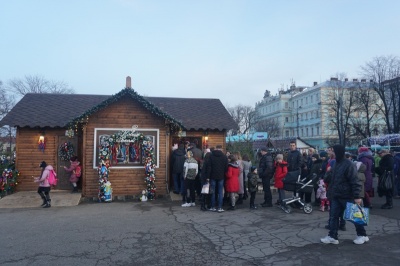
{"x": 341, "y": 101}
{"x": 367, "y": 111}
{"x": 384, "y": 71}
{"x": 242, "y": 115}
{"x": 7, "y": 101}
{"x": 269, "y": 125}
{"x": 37, "y": 84}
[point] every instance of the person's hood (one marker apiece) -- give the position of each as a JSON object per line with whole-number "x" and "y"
{"x": 367, "y": 154}
{"x": 49, "y": 167}
{"x": 217, "y": 153}
{"x": 235, "y": 164}
{"x": 282, "y": 163}
{"x": 339, "y": 152}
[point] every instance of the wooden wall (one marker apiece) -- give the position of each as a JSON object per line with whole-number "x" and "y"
{"x": 29, "y": 156}
{"x": 123, "y": 114}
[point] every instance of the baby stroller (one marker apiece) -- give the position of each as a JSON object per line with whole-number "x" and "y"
{"x": 293, "y": 182}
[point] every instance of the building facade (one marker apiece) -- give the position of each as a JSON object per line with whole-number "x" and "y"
{"x": 310, "y": 112}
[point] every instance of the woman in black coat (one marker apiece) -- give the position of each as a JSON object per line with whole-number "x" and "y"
{"x": 386, "y": 165}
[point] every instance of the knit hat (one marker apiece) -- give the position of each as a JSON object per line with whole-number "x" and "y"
{"x": 279, "y": 156}
{"x": 315, "y": 155}
{"x": 43, "y": 164}
{"x": 362, "y": 149}
{"x": 323, "y": 154}
{"x": 252, "y": 169}
{"x": 263, "y": 148}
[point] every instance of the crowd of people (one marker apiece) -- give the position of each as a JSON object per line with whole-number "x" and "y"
{"x": 342, "y": 177}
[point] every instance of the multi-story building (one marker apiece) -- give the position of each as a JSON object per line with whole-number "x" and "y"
{"x": 309, "y": 112}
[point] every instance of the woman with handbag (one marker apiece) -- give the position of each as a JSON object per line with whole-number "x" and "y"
{"x": 386, "y": 178}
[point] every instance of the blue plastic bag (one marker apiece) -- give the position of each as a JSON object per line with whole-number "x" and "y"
{"x": 356, "y": 214}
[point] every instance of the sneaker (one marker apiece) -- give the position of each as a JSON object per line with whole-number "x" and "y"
{"x": 212, "y": 209}
{"x": 329, "y": 240}
{"x": 193, "y": 204}
{"x": 253, "y": 207}
{"x": 186, "y": 205}
{"x": 361, "y": 240}
{"x": 220, "y": 210}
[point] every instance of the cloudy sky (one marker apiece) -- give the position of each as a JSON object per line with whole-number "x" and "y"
{"x": 233, "y": 50}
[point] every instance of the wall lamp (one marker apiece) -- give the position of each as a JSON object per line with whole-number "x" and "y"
{"x": 41, "y": 142}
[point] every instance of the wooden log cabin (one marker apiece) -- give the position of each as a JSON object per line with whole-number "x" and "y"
{"x": 166, "y": 120}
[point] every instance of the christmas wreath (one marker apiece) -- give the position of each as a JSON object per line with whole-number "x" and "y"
{"x": 66, "y": 151}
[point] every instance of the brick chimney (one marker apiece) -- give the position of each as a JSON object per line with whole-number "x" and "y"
{"x": 355, "y": 80}
{"x": 315, "y": 83}
{"x": 346, "y": 79}
{"x": 128, "y": 82}
{"x": 334, "y": 78}
{"x": 363, "y": 80}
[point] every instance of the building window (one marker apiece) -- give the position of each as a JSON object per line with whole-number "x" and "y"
{"x": 307, "y": 132}
{"x": 286, "y": 119}
{"x": 317, "y": 131}
{"x": 302, "y": 132}
{"x": 287, "y": 133}
{"x": 312, "y": 132}
{"x": 311, "y": 99}
{"x": 306, "y": 100}
{"x": 286, "y": 105}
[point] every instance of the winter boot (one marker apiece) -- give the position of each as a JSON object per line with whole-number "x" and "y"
{"x": 44, "y": 199}
{"x": 48, "y": 205}
{"x": 74, "y": 190}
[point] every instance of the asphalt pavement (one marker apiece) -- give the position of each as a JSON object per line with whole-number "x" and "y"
{"x": 161, "y": 232}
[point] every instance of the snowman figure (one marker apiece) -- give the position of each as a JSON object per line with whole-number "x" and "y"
{"x": 143, "y": 197}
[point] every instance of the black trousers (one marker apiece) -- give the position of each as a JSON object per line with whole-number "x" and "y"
{"x": 267, "y": 189}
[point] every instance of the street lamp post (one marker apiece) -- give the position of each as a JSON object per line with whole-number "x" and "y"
{"x": 298, "y": 120}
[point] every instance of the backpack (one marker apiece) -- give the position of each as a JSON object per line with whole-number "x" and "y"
{"x": 52, "y": 178}
{"x": 78, "y": 171}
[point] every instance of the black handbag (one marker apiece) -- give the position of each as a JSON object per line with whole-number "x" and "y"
{"x": 386, "y": 182}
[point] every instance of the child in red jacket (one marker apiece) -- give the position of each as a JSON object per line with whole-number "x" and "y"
{"x": 280, "y": 173}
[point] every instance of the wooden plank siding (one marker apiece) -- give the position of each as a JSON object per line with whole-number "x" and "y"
{"x": 123, "y": 114}
{"x": 29, "y": 156}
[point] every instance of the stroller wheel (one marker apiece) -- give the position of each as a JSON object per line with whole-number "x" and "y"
{"x": 307, "y": 208}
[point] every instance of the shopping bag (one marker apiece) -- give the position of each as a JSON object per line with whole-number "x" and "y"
{"x": 205, "y": 189}
{"x": 356, "y": 214}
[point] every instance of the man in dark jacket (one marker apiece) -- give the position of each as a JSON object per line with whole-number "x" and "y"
{"x": 265, "y": 172}
{"x": 343, "y": 187}
{"x": 177, "y": 162}
{"x": 216, "y": 169}
{"x": 294, "y": 159}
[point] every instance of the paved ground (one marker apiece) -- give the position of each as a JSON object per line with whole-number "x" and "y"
{"x": 161, "y": 232}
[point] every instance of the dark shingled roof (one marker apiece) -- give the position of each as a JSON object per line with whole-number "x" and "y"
{"x": 57, "y": 110}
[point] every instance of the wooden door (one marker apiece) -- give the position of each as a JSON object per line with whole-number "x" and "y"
{"x": 63, "y": 176}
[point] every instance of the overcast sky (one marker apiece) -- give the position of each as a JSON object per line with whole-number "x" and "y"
{"x": 232, "y": 50}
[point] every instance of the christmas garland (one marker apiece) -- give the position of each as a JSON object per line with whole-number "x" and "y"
{"x": 8, "y": 181}
{"x": 105, "y": 156}
{"x": 66, "y": 151}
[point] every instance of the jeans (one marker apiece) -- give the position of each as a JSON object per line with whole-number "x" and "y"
{"x": 220, "y": 186}
{"x": 177, "y": 182}
{"x": 337, "y": 208}
{"x": 190, "y": 185}
{"x": 183, "y": 189}
{"x": 281, "y": 194}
